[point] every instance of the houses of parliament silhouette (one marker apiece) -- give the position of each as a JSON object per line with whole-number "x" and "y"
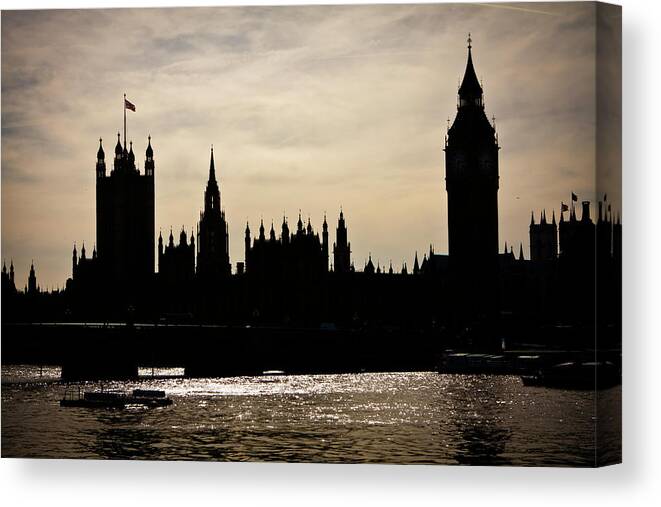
{"x": 294, "y": 278}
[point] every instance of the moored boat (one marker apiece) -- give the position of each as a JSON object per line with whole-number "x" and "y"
{"x": 576, "y": 375}
{"x": 109, "y": 399}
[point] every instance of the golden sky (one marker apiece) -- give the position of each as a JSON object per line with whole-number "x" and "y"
{"x": 308, "y": 108}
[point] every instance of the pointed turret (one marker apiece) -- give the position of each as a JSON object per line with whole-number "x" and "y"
{"x": 261, "y": 231}
{"x": 131, "y": 156}
{"x": 272, "y": 233}
{"x": 341, "y": 247}
{"x": 521, "y": 252}
{"x": 149, "y": 158}
{"x": 470, "y": 91}
{"x": 100, "y": 161}
{"x": 369, "y": 266}
{"x": 416, "y": 265}
{"x": 212, "y": 167}
{"x": 299, "y": 224}
{"x": 118, "y": 148}
{"x": 324, "y": 241}
{"x": 74, "y": 261}
{"x": 246, "y": 244}
{"x": 212, "y": 192}
{"x": 285, "y": 230}
{"x": 32, "y": 280}
{"x": 149, "y": 152}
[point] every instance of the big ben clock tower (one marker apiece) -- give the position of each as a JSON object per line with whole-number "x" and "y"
{"x": 471, "y": 178}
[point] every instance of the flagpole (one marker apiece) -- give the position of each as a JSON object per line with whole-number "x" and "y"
{"x": 125, "y": 121}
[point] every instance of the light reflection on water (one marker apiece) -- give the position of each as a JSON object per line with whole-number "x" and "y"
{"x": 370, "y": 417}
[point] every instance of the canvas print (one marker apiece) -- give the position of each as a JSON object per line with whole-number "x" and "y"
{"x": 337, "y": 234}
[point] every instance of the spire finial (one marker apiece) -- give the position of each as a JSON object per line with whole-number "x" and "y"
{"x": 470, "y": 41}
{"x": 212, "y": 167}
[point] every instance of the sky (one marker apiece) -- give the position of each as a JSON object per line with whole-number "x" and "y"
{"x": 311, "y": 108}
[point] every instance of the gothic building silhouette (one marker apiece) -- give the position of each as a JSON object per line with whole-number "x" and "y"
{"x": 471, "y": 180}
{"x": 176, "y": 263}
{"x": 543, "y": 238}
{"x": 290, "y": 277}
{"x": 341, "y": 247}
{"x": 213, "y": 261}
{"x": 8, "y": 280}
{"x": 125, "y": 217}
{"x": 301, "y": 254}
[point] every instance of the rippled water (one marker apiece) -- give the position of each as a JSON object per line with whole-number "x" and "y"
{"x": 369, "y": 417}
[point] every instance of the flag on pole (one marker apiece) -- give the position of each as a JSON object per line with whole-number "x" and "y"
{"x": 563, "y": 207}
{"x": 128, "y": 105}
{"x": 574, "y": 197}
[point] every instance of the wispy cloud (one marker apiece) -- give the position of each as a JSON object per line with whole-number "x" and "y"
{"x": 307, "y": 107}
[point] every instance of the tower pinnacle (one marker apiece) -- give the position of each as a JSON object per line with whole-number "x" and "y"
{"x": 470, "y": 91}
{"x": 212, "y": 167}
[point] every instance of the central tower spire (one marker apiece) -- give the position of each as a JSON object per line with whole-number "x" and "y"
{"x": 212, "y": 167}
{"x": 212, "y": 192}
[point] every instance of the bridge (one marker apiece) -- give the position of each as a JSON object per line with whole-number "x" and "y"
{"x": 116, "y": 350}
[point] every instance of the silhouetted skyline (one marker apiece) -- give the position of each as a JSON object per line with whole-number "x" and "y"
{"x": 312, "y": 115}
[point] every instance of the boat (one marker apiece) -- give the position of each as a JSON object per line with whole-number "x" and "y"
{"x": 109, "y": 399}
{"x": 575, "y": 375}
{"x": 271, "y": 373}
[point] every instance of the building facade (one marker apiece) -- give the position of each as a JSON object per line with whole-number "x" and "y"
{"x": 125, "y": 217}
{"x": 471, "y": 179}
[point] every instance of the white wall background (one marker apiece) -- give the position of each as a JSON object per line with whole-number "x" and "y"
{"x": 72, "y": 483}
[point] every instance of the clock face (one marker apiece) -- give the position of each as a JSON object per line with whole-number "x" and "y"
{"x": 487, "y": 165}
{"x": 459, "y": 163}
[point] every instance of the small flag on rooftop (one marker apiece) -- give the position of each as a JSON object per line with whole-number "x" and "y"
{"x": 129, "y": 105}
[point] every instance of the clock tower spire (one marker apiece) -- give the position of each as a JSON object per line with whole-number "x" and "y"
{"x": 471, "y": 177}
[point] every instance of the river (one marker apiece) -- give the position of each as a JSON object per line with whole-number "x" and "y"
{"x": 355, "y": 418}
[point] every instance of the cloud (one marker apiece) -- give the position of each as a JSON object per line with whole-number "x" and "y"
{"x": 307, "y": 107}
